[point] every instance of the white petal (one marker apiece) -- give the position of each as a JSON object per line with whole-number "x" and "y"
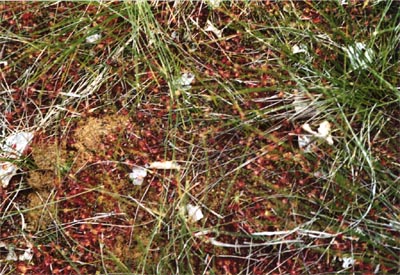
{"x": 304, "y": 143}
{"x": 211, "y": 28}
{"x": 329, "y": 139}
{"x": 324, "y": 128}
{"x": 348, "y": 262}
{"x": 11, "y": 256}
{"x": 7, "y": 171}
{"x": 324, "y": 131}
{"x": 27, "y": 256}
{"x": 12, "y": 147}
{"x": 297, "y": 49}
{"x": 138, "y": 174}
{"x": 194, "y": 212}
{"x": 186, "y": 79}
{"x": 16, "y": 144}
{"x": 306, "y": 127}
{"x": 92, "y": 39}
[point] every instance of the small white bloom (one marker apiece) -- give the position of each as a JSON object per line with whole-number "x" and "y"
{"x": 13, "y": 147}
{"x": 93, "y": 39}
{"x": 16, "y": 144}
{"x": 324, "y": 131}
{"x": 194, "y": 212}
{"x": 11, "y": 256}
{"x": 304, "y": 143}
{"x": 7, "y": 171}
{"x": 27, "y": 256}
{"x": 324, "y": 128}
{"x": 211, "y": 28}
{"x": 185, "y": 80}
{"x": 296, "y": 49}
{"x": 306, "y": 127}
{"x": 138, "y": 174}
{"x": 348, "y": 262}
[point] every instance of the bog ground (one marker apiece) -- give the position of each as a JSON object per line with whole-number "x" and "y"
{"x": 200, "y": 137}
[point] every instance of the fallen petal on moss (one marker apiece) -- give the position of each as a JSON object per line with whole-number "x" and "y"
{"x": 93, "y": 39}
{"x": 194, "y": 212}
{"x": 137, "y": 175}
{"x": 16, "y": 144}
{"x": 12, "y": 148}
{"x": 324, "y": 131}
{"x": 211, "y": 28}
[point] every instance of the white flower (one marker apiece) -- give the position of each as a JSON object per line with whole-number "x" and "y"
{"x": 348, "y": 262}
{"x": 11, "y": 255}
{"x": 27, "y": 256}
{"x": 138, "y": 174}
{"x": 296, "y": 49}
{"x": 304, "y": 143}
{"x": 17, "y": 143}
{"x": 324, "y": 131}
{"x": 12, "y": 148}
{"x": 7, "y": 171}
{"x": 211, "y": 28}
{"x": 194, "y": 212}
{"x": 185, "y": 80}
{"x": 93, "y": 39}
